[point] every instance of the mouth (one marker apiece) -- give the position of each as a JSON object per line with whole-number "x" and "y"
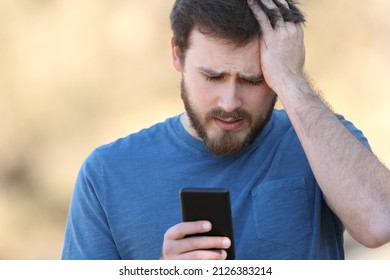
{"x": 229, "y": 124}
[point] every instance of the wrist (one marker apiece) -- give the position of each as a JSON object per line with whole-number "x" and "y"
{"x": 290, "y": 86}
{"x": 299, "y": 93}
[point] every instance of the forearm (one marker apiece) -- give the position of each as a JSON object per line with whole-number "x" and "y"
{"x": 354, "y": 182}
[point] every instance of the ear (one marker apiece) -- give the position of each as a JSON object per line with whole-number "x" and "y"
{"x": 176, "y": 57}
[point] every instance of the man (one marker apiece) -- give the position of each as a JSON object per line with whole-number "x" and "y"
{"x": 296, "y": 177}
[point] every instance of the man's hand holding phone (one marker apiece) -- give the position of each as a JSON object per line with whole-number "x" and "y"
{"x": 177, "y": 245}
{"x": 206, "y": 232}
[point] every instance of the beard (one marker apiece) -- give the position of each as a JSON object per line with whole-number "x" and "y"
{"x": 225, "y": 142}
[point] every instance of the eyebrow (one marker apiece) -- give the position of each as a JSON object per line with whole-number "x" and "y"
{"x": 245, "y": 76}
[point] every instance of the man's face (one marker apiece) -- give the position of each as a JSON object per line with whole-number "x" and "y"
{"x": 226, "y": 99}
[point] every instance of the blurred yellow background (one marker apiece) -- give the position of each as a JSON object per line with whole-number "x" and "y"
{"x": 75, "y": 74}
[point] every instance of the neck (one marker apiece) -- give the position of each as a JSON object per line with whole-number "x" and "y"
{"x": 185, "y": 121}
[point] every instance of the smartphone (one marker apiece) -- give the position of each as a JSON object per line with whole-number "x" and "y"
{"x": 211, "y": 204}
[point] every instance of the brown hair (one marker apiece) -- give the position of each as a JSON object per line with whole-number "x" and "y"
{"x": 230, "y": 20}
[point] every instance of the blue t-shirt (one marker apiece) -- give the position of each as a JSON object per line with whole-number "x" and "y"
{"x": 127, "y": 195}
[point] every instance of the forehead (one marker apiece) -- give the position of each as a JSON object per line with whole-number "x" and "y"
{"x": 218, "y": 54}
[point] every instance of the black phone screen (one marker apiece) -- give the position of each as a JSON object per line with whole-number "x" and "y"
{"x": 211, "y": 204}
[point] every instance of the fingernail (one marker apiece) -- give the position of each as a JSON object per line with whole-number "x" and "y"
{"x": 207, "y": 226}
{"x": 224, "y": 254}
{"x": 226, "y": 243}
{"x": 250, "y": 2}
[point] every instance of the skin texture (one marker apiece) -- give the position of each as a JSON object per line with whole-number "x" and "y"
{"x": 224, "y": 93}
{"x": 355, "y": 183}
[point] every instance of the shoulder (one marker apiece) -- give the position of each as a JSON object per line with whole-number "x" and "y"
{"x": 144, "y": 138}
{"x": 280, "y": 120}
{"x": 139, "y": 143}
{"x": 280, "y": 126}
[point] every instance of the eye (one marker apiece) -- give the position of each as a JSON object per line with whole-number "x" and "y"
{"x": 254, "y": 83}
{"x": 212, "y": 78}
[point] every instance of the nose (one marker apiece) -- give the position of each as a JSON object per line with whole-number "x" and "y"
{"x": 230, "y": 99}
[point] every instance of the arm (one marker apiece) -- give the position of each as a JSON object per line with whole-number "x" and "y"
{"x": 87, "y": 234}
{"x": 355, "y": 183}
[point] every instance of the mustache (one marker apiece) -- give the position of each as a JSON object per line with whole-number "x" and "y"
{"x": 235, "y": 115}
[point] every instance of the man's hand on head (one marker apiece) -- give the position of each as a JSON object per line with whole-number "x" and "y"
{"x": 282, "y": 49}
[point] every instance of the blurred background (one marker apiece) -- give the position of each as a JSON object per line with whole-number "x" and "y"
{"x": 75, "y": 74}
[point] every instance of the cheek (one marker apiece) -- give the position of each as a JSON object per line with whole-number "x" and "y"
{"x": 259, "y": 95}
{"x": 260, "y": 100}
{"x": 201, "y": 92}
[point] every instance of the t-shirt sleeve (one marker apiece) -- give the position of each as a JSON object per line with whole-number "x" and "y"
{"x": 87, "y": 233}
